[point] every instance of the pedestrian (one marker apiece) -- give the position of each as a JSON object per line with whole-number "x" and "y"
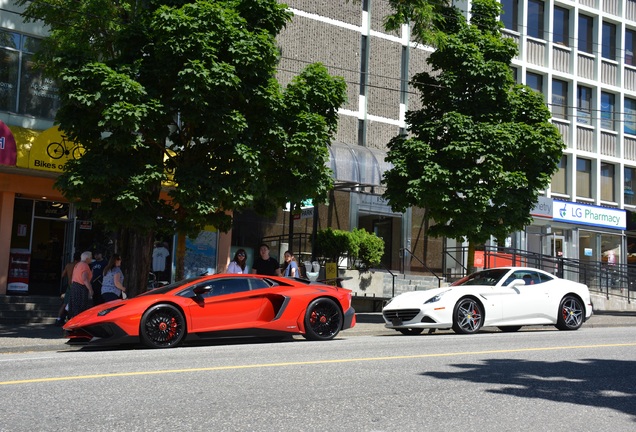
{"x": 237, "y": 265}
{"x": 159, "y": 255}
{"x": 112, "y": 285}
{"x": 97, "y": 267}
{"x": 264, "y": 264}
{"x": 68, "y": 274}
{"x": 291, "y": 266}
{"x": 81, "y": 290}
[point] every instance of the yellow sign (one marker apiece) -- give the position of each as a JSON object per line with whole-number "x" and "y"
{"x": 331, "y": 271}
{"x": 51, "y": 149}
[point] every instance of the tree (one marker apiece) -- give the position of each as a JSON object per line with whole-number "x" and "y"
{"x": 183, "y": 91}
{"x": 481, "y": 148}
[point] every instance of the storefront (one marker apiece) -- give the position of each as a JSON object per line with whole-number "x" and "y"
{"x": 39, "y": 229}
{"x": 579, "y": 231}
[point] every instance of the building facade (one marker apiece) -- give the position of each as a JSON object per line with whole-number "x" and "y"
{"x": 579, "y": 54}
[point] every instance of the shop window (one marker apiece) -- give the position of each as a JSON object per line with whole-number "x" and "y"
{"x": 561, "y": 32}
{"x": 22, "y": 224}
{"x": 37, "y": 96}
{"x": 510, "y": 14}
{"x": 535, "y": 18}
{"x": 608, "y": 111}
{"x": 629, "y": 186}
{"x": 584, "y": 105}
{"x": 607, "y": 182}
{"x": 630, "y": 40}
{"x": 608, "y": 46}
{"x": 559, "y": 99}
{"x": 559, "y": 179}
{"x": 629, "y": 117}
{"x": 584, "y": 178}
{"x": 586, "y": 27}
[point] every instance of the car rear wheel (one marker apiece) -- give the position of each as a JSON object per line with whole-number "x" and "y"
{"x": 323, "y": 320}
{"x": 468, "y": 316}
{"x": 570, "y": 314}
{"x": 162, "y": 326}
{"x": 411, "y": 331}
{"x": 509, "y": 329}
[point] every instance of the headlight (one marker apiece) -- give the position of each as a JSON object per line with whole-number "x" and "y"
{"x": 436, "y": 298}
{"x": 107, "y": 311}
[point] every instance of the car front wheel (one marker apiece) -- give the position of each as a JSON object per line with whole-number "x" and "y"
{"x": 323, "y": 320}
{"x": 468, "y": 316}
{"x": 570, "y": 314}
{"x": 162, "y": 326}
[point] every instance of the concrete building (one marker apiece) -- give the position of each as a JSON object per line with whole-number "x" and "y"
{"x": 578, "y": 54}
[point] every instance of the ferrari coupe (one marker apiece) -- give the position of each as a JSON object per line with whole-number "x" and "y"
{"x": 507, "y": 297}
{"x": 221, "y": 305}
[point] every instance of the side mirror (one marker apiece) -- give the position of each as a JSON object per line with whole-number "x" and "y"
{"x": 202, "y": 289}
{"x": 517, "y": 282}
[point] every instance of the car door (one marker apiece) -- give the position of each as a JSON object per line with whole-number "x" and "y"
{"x": 528, "y": 302}
{"x": 226, "y": 304}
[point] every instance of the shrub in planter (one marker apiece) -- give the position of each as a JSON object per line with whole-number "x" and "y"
{"x": 366, "y": 249}
{"x": 332, "y": 244}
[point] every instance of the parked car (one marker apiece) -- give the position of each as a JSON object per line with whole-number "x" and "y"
{"x": 218, "y": 305}
{"x": 506, "y": 297}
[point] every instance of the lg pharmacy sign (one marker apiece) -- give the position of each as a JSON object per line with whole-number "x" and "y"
{"x": 589, "y": 215}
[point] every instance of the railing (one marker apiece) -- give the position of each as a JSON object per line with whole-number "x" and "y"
{"x": 403, "y": 256}
{"x": 301, "y": 245}
{"x": 618, "y": 280}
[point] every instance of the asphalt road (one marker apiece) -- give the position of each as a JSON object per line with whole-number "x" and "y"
{"x": 535, "y": 379}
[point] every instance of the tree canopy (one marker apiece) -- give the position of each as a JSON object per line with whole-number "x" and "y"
{"x": 184, "y": 93}
{"x": 481, "y": 148}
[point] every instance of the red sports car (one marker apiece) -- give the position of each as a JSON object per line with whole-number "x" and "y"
{"x": 229, "y": 305}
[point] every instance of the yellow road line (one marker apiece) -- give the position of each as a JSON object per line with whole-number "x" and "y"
{"x": 303, "y": 363}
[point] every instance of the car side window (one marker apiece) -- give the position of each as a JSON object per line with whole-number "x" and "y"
{"x": 258, "y": 283}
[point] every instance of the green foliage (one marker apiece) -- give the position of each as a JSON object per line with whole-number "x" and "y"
{"x": 185, "y": 91}
{"x": 332, "y": 244}
{"x": 481, "y": 148}
{"x": 363, "y": 248}
{"x": 366, "y": 249}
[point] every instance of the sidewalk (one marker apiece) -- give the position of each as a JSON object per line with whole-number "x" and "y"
{"x": 43, "y": 337}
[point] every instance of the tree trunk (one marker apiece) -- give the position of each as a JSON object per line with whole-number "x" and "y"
{"x": 136, "y": 252}
{"x": 470, "y": 259}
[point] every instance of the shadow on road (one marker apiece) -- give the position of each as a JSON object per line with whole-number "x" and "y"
{"x": 591, "y": 382}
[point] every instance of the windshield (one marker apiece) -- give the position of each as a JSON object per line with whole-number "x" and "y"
{"x": 485, "y": 277}
{"x": 164, "y": 289}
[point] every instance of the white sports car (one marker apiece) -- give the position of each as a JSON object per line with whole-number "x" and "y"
{"x": 506, "y": 297}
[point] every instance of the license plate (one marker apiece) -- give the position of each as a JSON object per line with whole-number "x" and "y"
{"x": 396, "y": 321}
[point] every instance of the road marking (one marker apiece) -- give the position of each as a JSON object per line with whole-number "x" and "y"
{"x": 303, "y": 363}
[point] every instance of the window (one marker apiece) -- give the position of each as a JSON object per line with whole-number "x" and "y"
{"x": 607, "y": 111}
{"x": 37, "y": 95}
{"x": 561, "y": 32}
{"x": 535, "y": 81}
{"x": 629, "y": 117}
{"x": 584, "y": 178}
{"x": 630, "y": 186}
{"x": 607, "y": 182}
{"x": 586, "y": 25}
{"x": 535, "y": 18}
{"x": 510, "y": 14}
{"x": 559, "y": 179}
{"x": 609, "y": 41}
{"x": 630, "y": 40}
{"x": 559, "y": 99}
{"x": 584, "y": 105}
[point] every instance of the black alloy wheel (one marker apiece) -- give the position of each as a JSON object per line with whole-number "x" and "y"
{"x": 162, "y": 326}
{"x": 323, "y": 319}
{"x": 468, "y": 316}
{"x": 571, "y": 312}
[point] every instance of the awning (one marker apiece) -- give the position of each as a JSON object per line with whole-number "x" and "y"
{"x": 356, "y": 166}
